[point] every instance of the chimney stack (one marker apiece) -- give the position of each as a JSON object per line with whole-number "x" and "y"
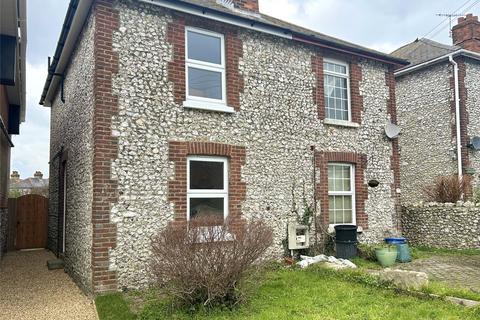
{"x": 247, "y": 5}
{"x": 466, "y": 33}
{"x": 15, "y": 175}
{"x": 38, "y": 175}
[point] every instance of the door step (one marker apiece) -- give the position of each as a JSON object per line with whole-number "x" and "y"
{"x": 55, "y": 264}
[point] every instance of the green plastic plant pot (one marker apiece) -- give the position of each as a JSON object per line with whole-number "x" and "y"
{"x": 386, "y": 256}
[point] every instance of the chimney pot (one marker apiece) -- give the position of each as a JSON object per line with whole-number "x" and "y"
{"x": 466, "y": 33}
{"x": 38, "y": 175}
{"x": 15, "y": 175}
{"x": 248, "y": 5}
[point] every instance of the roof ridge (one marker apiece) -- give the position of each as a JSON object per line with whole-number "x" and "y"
{"x": 438, "y": 44}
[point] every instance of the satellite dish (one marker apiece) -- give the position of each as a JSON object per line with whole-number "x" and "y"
{"x": 475, "y": 143}
{"x": 392, "y": 130}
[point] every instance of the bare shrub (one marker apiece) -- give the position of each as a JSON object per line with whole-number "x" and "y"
{"x": 206, "y": 262}
{"x": 448, "y": 189}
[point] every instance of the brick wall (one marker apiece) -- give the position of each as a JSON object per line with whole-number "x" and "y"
{"x": 355, "y": 79}
{"x": 392, "y": 110}
{"x": 105, "y": 146}
{"x": 178, "y": 152}
{"x": 361, "y": 189}
{"x": 466, "y": 33}
{"x": 233, "y": 53}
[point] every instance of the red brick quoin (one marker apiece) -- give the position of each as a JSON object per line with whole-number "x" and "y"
{"x": 355, "y": 79}
{"x": 361, "y": 192}
{"x": 177, "y": 188}
{"x": 233, "y": 53}
{"x": 105, "y": 146}
{"x": 392, "y": 111}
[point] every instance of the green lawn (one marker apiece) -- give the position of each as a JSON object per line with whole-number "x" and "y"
{"x": 425, "y": 252}
{"x": 314, "y": 293}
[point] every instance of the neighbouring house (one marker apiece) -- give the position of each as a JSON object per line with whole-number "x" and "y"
{"x": 166, "y": 110}
{"x": 36, "y": 184}
{"x": 13, "y": 41}
{"x": 438, "y": 109}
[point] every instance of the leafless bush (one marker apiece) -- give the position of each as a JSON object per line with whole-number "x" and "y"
{"x": 206, "y": 262}
{"x": 448, "y": 189}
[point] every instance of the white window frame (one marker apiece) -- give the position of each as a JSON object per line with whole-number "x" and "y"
{"x": 344, "y": 193}
{"x": 202, "y": 101}
{"x": 208, "y": 193}
{"x": 349, "y": 101}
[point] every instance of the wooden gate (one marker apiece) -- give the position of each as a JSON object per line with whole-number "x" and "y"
{"x": 32, "y": 222}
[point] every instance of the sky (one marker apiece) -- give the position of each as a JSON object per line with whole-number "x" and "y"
{"x": 383, "y": 25}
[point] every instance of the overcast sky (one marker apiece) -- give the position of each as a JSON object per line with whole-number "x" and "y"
{"x": 379, "y": 24}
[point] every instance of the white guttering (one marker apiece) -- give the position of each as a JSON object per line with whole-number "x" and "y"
{"x": 463, "y": 52}
{"x": 209, "y": 14}
{"x": 457, "y": 116}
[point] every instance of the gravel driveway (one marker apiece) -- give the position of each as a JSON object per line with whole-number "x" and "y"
{"x": 28, "y": 290}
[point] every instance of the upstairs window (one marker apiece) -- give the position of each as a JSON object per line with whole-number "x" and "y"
{"x": 205, "y": 66}
{"x": 207, "y": 187}
{"x": 341, "y": 193}
{"x": 337, "y": 90}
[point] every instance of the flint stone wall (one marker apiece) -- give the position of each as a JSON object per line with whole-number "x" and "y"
{"x": 454, "y": 226}
{"x": 71, "y": 128}
{"x": 277, "y": 123}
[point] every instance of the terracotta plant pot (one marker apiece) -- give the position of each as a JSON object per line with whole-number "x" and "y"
{"x": 386, "y": 256}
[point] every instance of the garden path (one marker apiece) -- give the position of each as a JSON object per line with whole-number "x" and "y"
{"x": 455, "y": 270}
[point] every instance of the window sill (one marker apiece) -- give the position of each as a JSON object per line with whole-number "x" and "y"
{"x": 341, "y": 123}
{"x": 208, "y": 106}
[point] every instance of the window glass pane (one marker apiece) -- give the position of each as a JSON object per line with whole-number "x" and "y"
{"x": 347, "y": 216}
{"x": 345, "y": 171}
{"x": 340, "y": 209}
{"x": 334, "y": 67}
{"x": 347, "y": 203}
{"x": 331, "y": 209}
{"x": 204, "y": 47}
{"x": 336, "y": 96}
{"x": 204, "y": 83}
{"x": 201, "y": 207}
{"x": 206, "y": 175}
{"x": 339, "y": 178}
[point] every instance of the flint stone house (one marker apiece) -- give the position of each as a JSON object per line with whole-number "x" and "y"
{"x": 427, "y": 106}
{"x": 13, "y": 41}
{"x": 175, "y": 109}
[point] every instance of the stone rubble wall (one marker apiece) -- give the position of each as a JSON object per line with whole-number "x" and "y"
{"x": 427, "y": 149}
{"x": 277, "y": 123}
{"x": 454, "y": 226}
{"x": 71, "y": 128}
{"x": 472, "y": 84}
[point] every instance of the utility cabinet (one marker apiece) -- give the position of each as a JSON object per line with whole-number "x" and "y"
{"x": 298, "y": 236}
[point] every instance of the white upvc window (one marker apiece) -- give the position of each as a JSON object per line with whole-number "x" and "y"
{"x": 207, "y": 186}
{"x": 205, "y": 69}
{"x": 341, "y": 193}
{"x": 336, "y": 76}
